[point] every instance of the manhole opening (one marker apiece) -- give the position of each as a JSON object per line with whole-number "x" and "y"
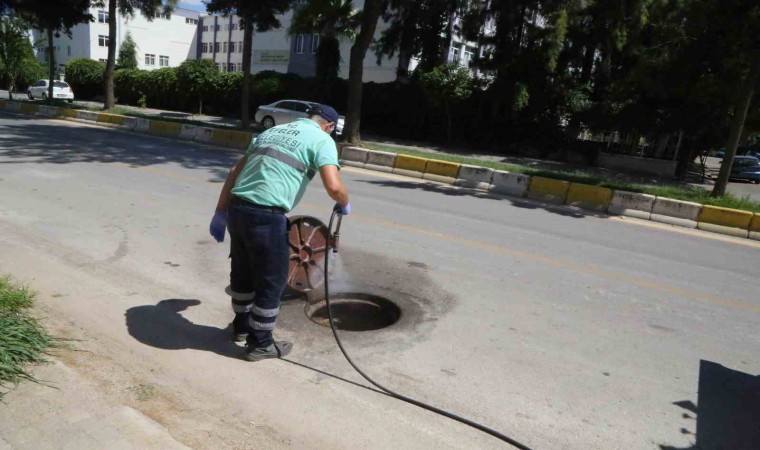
{"x": 355, "y": 312}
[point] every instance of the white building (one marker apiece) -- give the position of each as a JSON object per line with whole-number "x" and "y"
{"x": 166, "y": 41}
{"x": 221, "y": 40}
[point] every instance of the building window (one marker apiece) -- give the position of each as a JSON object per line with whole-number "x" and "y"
{"x": 240, "y": 46}
{"x": 216, "y": 47}
{"x": 314, "y": 43}
{"x": 467, "y": 56}
{"x": 217, "y": 28}
{"x": 163, "y": 61}
{"x": 150, "y": 60}
{"x": 102, "y": 60}
{"x": 224, "y": 47}
{"x": 233, "y": 26}
{"x": 239, "y": 67}
{"x": 205, "y": 27}
{"x": 219, "y": 66}
{"x": 232, "y": 47}
{"x": 102, "y": 16}
{"x": 454, "y": 57}
{"x": 102, "y": 41}
{"x": 165, "y": 16}
{"x": 299, "y": 43}
{"x": 191, "y": 21}
{"x": 204, "y": 47}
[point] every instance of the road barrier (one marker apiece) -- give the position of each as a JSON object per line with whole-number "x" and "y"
{"x": 548, "y": 190}
{"x": 632, "y": 204}
{"x": 188, "y": 132}
{"x": 594, "y": 198}
{"x": 165, "y": 129}
{"x": 474, "y": 177}
{"x": 380, "y": 161}
{"x": 732, "y": 222}
{"x": 508, "y": 183}
{"x": 410, "y": 166}
{"x": 353, "y": 156}
{"x": 441, "y": 171}
{"x": 240, "y": 140}
{"x": 754, "y": 227}
{"x": 675, "y": 212}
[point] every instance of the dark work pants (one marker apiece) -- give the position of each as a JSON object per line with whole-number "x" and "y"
{"x": 259, "y": 252}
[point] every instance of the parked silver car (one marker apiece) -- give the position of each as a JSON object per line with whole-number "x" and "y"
{"x": 61, "y": 90}
{"x": 286, "y": 111}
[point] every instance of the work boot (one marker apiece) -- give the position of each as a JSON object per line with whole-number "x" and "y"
{"x": 239, "y": 328}
{"x": 276, "y": 350}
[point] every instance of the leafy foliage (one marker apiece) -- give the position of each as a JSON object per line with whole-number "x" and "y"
{"x": 127, "y": 54}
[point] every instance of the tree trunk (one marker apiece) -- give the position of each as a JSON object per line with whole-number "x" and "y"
{"x": 11, "y": 88}
{"x": 51, "y": 66}
{"x": 370, "y": 16}
{"x": 744, "y": 99}
{"x": 247, "y": 45}
{"x": 111, "y": 62}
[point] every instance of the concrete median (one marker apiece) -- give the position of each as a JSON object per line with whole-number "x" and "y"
{"x": 239, "y": 140}
{"x": 410, "y": 166}
{"x": 475, "y": 177}
{"x": 508, "y": 183}
{"x": 29, "y": 108}
{"x": 13, "y": 106}
{"x": 675, "y": 212}
{"x": 89, "y": 116}
{"x": 732, "y": 222}
{"x": 754, "y": 227}
{"x": 441, "y": 171}
{"x": 548, "y": 190}
{"x": 353, "y": 156}
{"x": 594, "y": 198}
{"x": 188, "y": 132}
{"x": 631, "y": 204}
{"x": 380, "y": 161}
{"x": 3, "y": 103}
{"x": 164, "y": 129}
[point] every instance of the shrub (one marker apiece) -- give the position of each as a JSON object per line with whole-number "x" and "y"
{"x": 85, "y": 76}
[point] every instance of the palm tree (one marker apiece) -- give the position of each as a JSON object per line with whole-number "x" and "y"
{"x": 332, "y": 20}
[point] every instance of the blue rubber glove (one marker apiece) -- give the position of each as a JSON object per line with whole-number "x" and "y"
{"x": 343, "y": 211}
{"x": 218, "y": 225}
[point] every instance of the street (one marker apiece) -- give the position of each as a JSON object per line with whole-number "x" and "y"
{"x": 558, "y": 328}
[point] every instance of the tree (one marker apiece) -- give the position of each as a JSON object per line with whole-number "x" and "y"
{"x": 196, "y": 77}
{"x": 127, "y": 54}
{"x": 149, "y": 8}
{"x": 16, "y": 53}
{"x": 369, "y": 17}
{"x": 53, "y": 18}
{"x": 261, "y": 14}
{"x": 332, "y": 20}
{"x": 445, "y": 86}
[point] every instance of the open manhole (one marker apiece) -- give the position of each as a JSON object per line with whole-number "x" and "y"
{"x": 355, "y": 312}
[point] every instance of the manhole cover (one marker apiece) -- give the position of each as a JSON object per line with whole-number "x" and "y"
{"x": 355, "y": 312}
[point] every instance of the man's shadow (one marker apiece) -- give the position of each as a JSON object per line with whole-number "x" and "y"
{"x": 162, "y": 326}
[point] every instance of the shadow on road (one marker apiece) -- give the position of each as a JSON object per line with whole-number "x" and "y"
{"x": 461, "y": 192}
{"x": 42, "y": 141}
{"x": 727, "y": 410}
{"x": 162, "y": 326}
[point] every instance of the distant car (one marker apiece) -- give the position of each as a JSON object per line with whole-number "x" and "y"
{"x": 61, "y": 90}
{"x": 746, "y": 168}
{"x": 720, "y": 153}
{"x": 286, "y": 111}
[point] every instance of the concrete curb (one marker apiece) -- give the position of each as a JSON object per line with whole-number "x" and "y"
{"x": 548, "y": 190}
{"x": 675, "y": 212}
{"x": 380, "y": 161}
{"x": 631, "y": 204}
{"x": 732, "y": 222}
{"x": 475, "y": 177}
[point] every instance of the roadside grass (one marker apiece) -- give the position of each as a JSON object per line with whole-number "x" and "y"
{"x": 23, "y": 341}
{"x": 691, "y": 194}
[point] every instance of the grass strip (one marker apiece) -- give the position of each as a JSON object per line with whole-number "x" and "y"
{"x": 690, "y": 194}
{"x": 23, "y": 341}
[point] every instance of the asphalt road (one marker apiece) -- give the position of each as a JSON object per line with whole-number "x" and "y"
{"x": 557, "y": 328}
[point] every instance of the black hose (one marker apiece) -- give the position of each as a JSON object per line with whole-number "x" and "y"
{"x": 452, "y": 416}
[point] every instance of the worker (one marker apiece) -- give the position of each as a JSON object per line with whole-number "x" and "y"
{"x": 260, "y": 189}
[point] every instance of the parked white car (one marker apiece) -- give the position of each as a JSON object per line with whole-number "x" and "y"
{"x": 61, "y": 90}
{"x": 286, "y": 111}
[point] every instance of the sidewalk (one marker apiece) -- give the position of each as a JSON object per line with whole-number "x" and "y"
{"x": 70, "y": 414}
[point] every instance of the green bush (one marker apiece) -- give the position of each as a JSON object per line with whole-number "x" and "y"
{"x": 85, "y": 76}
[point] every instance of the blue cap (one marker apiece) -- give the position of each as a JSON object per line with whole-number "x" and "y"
{"x": 324, "y": 111}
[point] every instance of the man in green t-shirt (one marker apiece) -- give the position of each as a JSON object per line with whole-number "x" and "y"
{"x": 265, "y": 184}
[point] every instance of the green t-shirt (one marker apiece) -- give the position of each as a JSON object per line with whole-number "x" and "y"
{"x": 282, "y": 161}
